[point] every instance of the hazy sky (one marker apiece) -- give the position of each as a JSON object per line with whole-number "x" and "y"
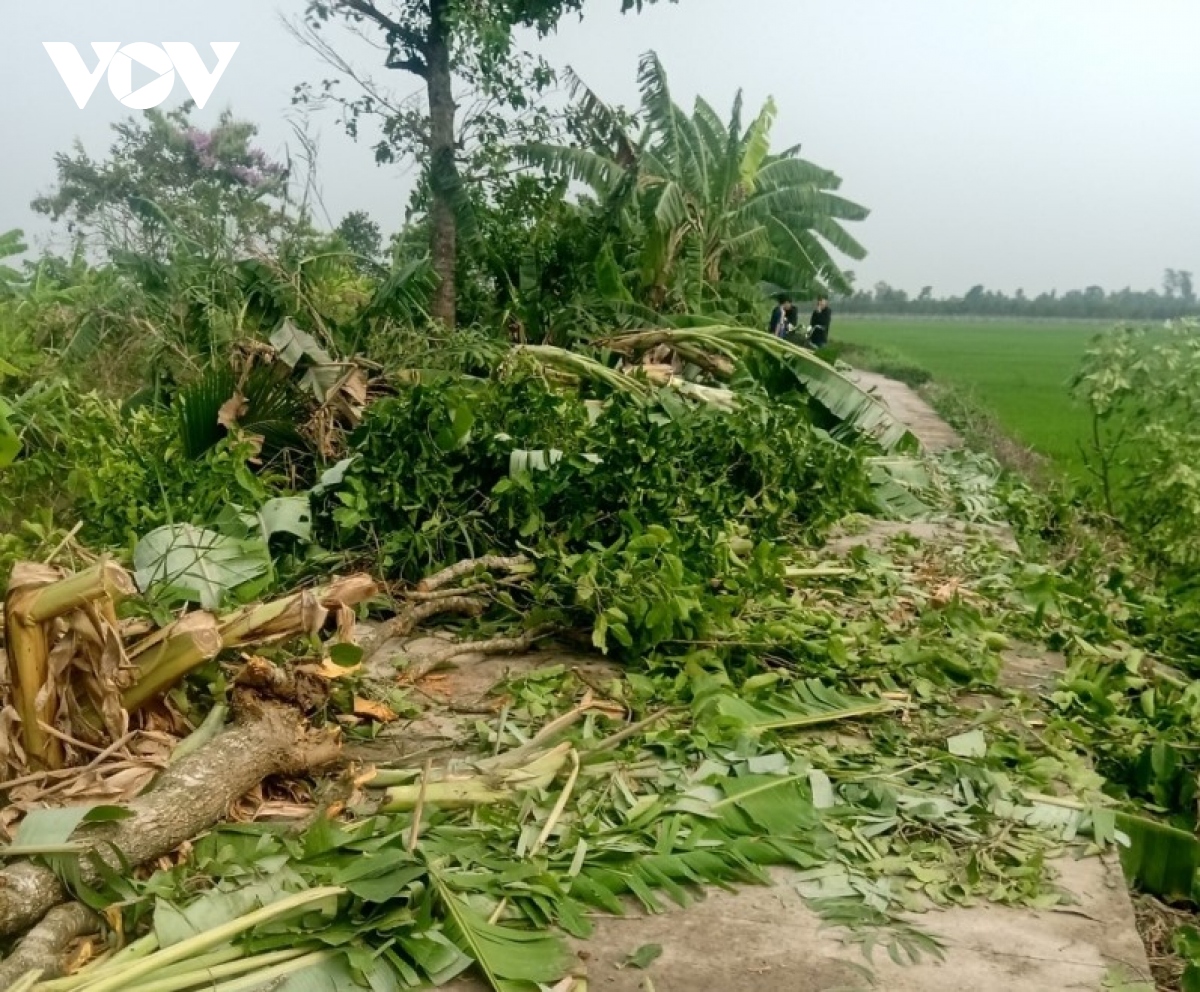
{"x": 1020, "y": 143}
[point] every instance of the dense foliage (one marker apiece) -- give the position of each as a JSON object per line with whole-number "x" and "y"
{"x": 208, "y": 359}
{"x": 1142, "y": 393}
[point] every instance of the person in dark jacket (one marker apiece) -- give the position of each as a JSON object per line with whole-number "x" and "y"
{"x": 820, "y": 322}
{"x": 783, "y": 318}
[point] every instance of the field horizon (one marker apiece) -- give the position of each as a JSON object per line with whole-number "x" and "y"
{"x": 1019, "y": 370}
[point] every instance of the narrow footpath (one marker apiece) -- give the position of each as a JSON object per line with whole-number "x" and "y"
{"x": 767, "y": 940}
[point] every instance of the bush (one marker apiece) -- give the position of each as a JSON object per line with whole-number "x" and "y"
{"x": 1143, "y": 392}
{"x": 121, "y": 472}
{"x": 452, "y": 470}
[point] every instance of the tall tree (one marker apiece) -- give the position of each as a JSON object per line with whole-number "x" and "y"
{"x": 718, "y": 213}
{"x": 436, "y": 40}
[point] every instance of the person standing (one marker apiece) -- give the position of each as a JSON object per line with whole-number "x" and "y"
{"x": 820, "y": 322}
{"x": 783, "y": 317}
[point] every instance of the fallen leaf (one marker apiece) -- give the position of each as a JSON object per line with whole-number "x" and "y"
{"x": 328, "y": 670}
{"x": 969, "y": 745}
{"x": 84, "y": 952}
{"x": 279, "y": 810}
{"x": 373, "y": 710}
{"x": 643, "y": 957}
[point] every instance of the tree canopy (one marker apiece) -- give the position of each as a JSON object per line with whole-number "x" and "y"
{"x": 439, "y": 41}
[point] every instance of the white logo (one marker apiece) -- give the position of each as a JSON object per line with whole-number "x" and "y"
{"x": 172, "y": 57}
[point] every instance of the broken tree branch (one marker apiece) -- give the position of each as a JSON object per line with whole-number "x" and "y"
{"x": 405, "y": 622}
{"x": 188, "y": 799}
{"x": 44, "y": 949}
{"x": 489, "y": 563}
{"x": 497, "y": 645}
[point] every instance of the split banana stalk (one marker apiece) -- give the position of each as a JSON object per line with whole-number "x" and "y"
{"x": 451, "y": 790}
{"x": 39, "y": 595}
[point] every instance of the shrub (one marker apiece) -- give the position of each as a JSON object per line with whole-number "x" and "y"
{"x": 1143, "y": 392}
{"x": 451, "y": 470}
{"x": 121, "y": 472}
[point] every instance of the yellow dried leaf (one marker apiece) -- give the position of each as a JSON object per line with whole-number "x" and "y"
{"x": 328, "y": 670}
{"x": 373, "y": 710}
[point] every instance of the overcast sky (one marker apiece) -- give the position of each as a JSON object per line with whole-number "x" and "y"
{"x": 1019, "y": 143}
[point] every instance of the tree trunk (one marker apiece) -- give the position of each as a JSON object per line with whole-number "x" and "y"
{"x": 44, "y": 949}
{"x": 443, "y": 167}
{"x": 188, "y": 799}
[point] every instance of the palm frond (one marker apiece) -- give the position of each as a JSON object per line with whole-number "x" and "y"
{"x": 857, "y": 409}
{"x": 756, "y": 146}
{"x": 577, "y": 164}
{"x": 197, "y": 409}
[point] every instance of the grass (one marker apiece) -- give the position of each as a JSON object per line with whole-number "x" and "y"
{"x": 1018, "y": 371}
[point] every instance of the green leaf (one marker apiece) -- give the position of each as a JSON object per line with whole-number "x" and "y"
{"x": 511, "y": 960}
{"x": 333, "y": 476}
{"x": 330, "y": 975}
{"x": 173, "y": 924}
{"x": 643, "y": 957}
{"x": 385, "y": 887}
{"x": 523, "y": 461}
{"x": 822, "y": 789}
{"x": 345, "y": 655}
{"x": 10, "y": 444}
{"x": 1159, "y": 859}
{"x": 436, "y": 955}
{"x": 286, "y": 515}
{"x": 197, "y": 564}
{"x": 969, "y": 745}
{"x": 53, "y": 827}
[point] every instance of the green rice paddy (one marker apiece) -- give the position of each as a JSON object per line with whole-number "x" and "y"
{"x": 1019, "y": 371}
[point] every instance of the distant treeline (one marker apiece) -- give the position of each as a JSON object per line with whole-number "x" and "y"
{"x": 1177, "y": 298}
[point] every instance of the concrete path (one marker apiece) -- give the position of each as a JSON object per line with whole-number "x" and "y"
{"x": 767, "y": 940}
{"x": 931, "y": 430}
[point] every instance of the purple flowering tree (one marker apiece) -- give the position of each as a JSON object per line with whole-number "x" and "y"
{"x": 211, "y": 183}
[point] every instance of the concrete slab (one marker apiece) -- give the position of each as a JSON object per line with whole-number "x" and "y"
{"x": 908, "y": 407}
{"x": 767, "y": 940}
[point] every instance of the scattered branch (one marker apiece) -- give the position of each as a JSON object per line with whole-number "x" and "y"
{"x": 489, "y": 563}
{"x": 497, "y": 645}
{"x": 44, "y": 949}
{"x": 188, "y": 799}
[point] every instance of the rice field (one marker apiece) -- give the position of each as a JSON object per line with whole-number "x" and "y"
{"x": 1017, "y": 370}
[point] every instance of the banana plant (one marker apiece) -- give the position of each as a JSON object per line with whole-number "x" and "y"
{"x": 719, "y": 215}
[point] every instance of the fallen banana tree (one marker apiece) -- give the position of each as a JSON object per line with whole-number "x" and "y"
{"x": 715, "y": 349}
{"x": 80, "y": 675}
{"x": 76, "y": 674}
{"x": 186, "y": 800}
